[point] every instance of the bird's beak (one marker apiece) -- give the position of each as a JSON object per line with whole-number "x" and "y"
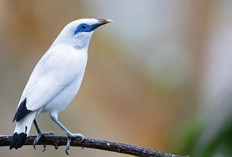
{"x": 104, "y": 21}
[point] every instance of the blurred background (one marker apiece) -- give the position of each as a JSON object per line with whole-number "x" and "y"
{"x": 158, "y": 77}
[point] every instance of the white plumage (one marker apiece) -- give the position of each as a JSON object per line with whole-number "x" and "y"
{"x": 56, "y": 78}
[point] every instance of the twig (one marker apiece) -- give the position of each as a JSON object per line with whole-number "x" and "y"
{"x": 91, "y": 143}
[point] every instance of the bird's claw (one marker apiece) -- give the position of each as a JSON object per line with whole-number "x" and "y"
{"x": 68, "y": 145}
{"x": 36, "y": 140}
{"x": 44, "y": 147}
{"x": 39, "y": 137}
{"x": 69, "y": 138}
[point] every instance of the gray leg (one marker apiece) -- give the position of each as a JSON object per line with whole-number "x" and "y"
{"x": 40, "y": 134}
{"x": 68, "y": 133}
{"x": 37, "y": 127}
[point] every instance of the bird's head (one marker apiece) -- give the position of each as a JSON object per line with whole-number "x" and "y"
{"x": 78, "y": 33}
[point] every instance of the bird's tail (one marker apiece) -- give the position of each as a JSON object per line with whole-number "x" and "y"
{"x": 22, "y": 130}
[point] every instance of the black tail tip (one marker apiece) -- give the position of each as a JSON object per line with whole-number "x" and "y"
{"x": 18, "y": 140}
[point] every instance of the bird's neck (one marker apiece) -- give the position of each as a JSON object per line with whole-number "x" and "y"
{"x": 74, "y": 42}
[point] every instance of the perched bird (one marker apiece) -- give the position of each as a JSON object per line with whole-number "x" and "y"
{"x": 55, "y": 80}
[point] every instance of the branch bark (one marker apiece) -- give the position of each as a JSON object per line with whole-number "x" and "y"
{"x": 91, "y": 143}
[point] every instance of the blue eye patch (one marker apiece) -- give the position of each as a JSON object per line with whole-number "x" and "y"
{"x": 85, "y": 28}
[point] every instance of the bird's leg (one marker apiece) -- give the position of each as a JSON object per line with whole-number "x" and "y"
{"x": 68, "y": 133}
{"x": 40, "y": 134}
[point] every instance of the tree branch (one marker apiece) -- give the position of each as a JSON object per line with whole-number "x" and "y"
{"x": 91, "y": 143}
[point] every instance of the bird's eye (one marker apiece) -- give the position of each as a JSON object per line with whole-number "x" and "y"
{"x": 83, "y": 26}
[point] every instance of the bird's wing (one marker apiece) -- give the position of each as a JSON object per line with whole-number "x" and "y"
{"x": 41, "y": 93}
{"x": 51, "y": 75}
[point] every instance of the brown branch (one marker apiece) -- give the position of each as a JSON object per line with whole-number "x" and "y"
{"x": 91, "y": 143}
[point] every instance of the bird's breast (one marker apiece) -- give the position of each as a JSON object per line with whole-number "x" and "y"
{"x": 68, "y": 60}
{"x": 68, "y": 67}
{"x": 64, "y": 98}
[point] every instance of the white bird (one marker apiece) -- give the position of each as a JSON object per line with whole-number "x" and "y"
{"x": 55, "y": 80}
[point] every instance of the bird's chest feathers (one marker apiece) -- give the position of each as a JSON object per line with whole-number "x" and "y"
{"x": 66, "y": 57}
{"x": 63, "y": 64}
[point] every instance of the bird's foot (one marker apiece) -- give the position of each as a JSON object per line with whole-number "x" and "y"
{"x": 69, "y": 138}
{"x": 39, "y": 136}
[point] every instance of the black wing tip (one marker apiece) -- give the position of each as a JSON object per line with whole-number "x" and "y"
{"x": 18, "y": 140}
{"x": 22, "y": 111}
